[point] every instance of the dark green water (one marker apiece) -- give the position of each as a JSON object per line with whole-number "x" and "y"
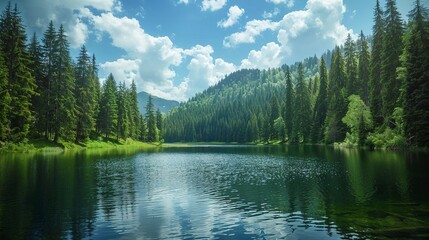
{"x": 221, "y": 192}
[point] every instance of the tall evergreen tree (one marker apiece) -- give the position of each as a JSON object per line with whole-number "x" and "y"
{"x": 84, "y": 93}
{"x": 350, "y": 65}
{"x": 335, "y": 130}
{"x": 36, "y": 65}
{"x": 5, "y": 101}
{"x": 134, "y": 111}
{"x": 108, "y": 107}
{"x": 376, "y": 103}
{"x": 64, "y": 102}
{"x": 363, "y": 70}
{"x": 416, "y": 107}
{"x": 289, "y": 104}
{"x": 392, "y": 49}
{"x": 274, "y": 114}
{"x": 321, "y": 105}
{"x": 122, "y": 103}
{"x": 49, "y": 50}
{"x": 159, "y": 123}
{"x": 97, "y": 92}
{"x": 302, "y": 109}
{"x": 21, "y": 82}
{"x": 151, "y": 121}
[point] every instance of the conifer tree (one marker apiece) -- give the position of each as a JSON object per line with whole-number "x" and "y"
{"x": 36, "y": 65}
{"x": 134, "y": 111}
{"x": 363, "y": 70}
{"x": 21, "y": 82}
{"x": 350, "y": 65}
{"x": 122, "y": 103}
{"x": 416, "y": 86}
{"x": 109, "y": 107}
{"x": 335, "y": 129}
{"x": 84, "y": 93}
{"x": 5, "y": 101}
{"x": 97, "y": 92}
{"x": 64, "y": 102}
{"x": 151, "y": 121}
{"x": 159, "y": 123}
{"x": 302, "y": 109}
{"x": 392, "y": 49}
{"x": 376, "y": 103}
{"x": 321, "y": 105}
{"x": 274, "y": 114}
{"x": 289, "y": 104}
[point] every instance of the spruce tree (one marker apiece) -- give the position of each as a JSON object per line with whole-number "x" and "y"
{"x": 392, "y": 49}
{"x": 5, "y": 101}
{"x": 350, "y": 65}
{"x": 321, "y": 105}
{"x": 289, "y": 104}
{"x": 335, "y": 130}
{"x": 151, "y": 121}
{"x": 64, "y": 102}
{"x": 376, "y": 103}
{"x": 85, "y": 98}
{"x": 134, "y": 111}
{"x": 363, "y": 70}
{"x": 122, "y": 103}
{"x": 21, "y": 82}
{"x": 416, "y": 107}
{"x": 274, "y": 114}
{"x": 159, "y": 123}
{"x": 36, "y": 65}
{"x": 109, "y": 107}
{"x": 302, "y": 109}
{"x": 96, "y": 92}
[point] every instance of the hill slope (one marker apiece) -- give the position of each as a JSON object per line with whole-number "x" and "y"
{"x": 163, "y": 104}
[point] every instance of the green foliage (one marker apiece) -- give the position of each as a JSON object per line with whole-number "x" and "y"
{"x": 152, "y": 131}
{"x": 358, "y": 119}
{"x": 351, "y": 66}
{"x": 321, "y": 105}
{"x": 302, "y": 109}
{"x": 289, "y": 104}
{"x": 109, "y": 107}
{"x": 363, "y": 79}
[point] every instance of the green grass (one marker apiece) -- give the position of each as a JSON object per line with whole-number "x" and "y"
{"x": 43, "y": 145}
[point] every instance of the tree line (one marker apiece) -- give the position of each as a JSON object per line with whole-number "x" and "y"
{"x": 44, "y": 93}
{"x": 366, "y": 93}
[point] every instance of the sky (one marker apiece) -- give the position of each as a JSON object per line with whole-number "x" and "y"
{"x": 176, "y": 48}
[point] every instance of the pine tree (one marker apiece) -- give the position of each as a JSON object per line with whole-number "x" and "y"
{"x": 274, "y": 114}
{"x": 376, "y": 103}
{"x": 350, "y": 65}
{"x": 289, "y": 104}
{"x": 97, "y": 92}
{"x": 159, "y": 123}
{"x": 151, "y": 121}
{"x": 416, "y": 108}
{"x": 122, "y": 103}
{"x": 142, "y": 129}
{"x": 363, "y": 70}
{"x": 5, "y": 101}
{"x": 392, "y": 49}
{"x": 337, "y": 105}
{"x": 64, "y": 102}
{"x": 321, "y": 105}
{"x": 109, "y": 107}
{"x": 134, "y": 111}
{"x": 21, "y": 82}
{"x": 85, "y": 98}
{"x": 49, "y": 50}
{"x": 36, "y": 65}
{"x": 302, "y": 109}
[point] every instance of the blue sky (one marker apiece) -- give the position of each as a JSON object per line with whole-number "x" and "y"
{"x": 176, "y": 48}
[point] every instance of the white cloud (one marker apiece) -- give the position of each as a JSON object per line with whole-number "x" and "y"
{"x": 253, "y": 29}
{"x": 289, "y": 3}
{"x": 183, "y": 2}
{"x": 123, "y": 69}
{"x": 320, "y": 21}
{"x": 212, "y": 5}
{"x": 234, "y": 13}
{"x": 269, "y": 56}
{"x": 204, "y": 71}
{"x": 78, "y": 34}
{"x": 272, "y": 14}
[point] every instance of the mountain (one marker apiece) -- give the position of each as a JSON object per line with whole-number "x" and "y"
{"x": 235, "y": 109}
{"x": 164, "y": 105}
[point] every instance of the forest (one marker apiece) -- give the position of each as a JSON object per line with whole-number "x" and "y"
{"x": 372, "y": 92}
{"x": 46, "y": 94}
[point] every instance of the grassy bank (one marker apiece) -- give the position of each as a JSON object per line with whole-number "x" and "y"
{"x": 43, "y": 145}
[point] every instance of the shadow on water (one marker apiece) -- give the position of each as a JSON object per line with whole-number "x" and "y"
{"x": 311, "y": 192}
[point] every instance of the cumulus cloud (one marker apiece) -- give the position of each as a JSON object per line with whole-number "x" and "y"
{"x": 37, "y": 15}
{"x": 253, "y": 29}
{"x": 272, "y": 14}
{"x": 268, "y": 57}
{"x": 123, "y": 69}
{"x": 320, "y": 21}
{"x": 234, "y": 13}
{"x": 212, "y": 5}
{"x": 289, "y": 3}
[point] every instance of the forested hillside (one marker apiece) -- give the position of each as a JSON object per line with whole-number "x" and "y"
{"x": 44, "y": 93}
{"x": 163, "y": 105}
{"x": 362, "y": 93}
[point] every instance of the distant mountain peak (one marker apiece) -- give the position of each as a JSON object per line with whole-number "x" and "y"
{"x": 164, "y": 105}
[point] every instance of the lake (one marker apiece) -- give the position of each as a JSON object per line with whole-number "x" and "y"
{"x": 220, "y": 192}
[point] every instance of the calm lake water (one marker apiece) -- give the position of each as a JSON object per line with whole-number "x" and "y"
{"x": 220, "y": 192}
